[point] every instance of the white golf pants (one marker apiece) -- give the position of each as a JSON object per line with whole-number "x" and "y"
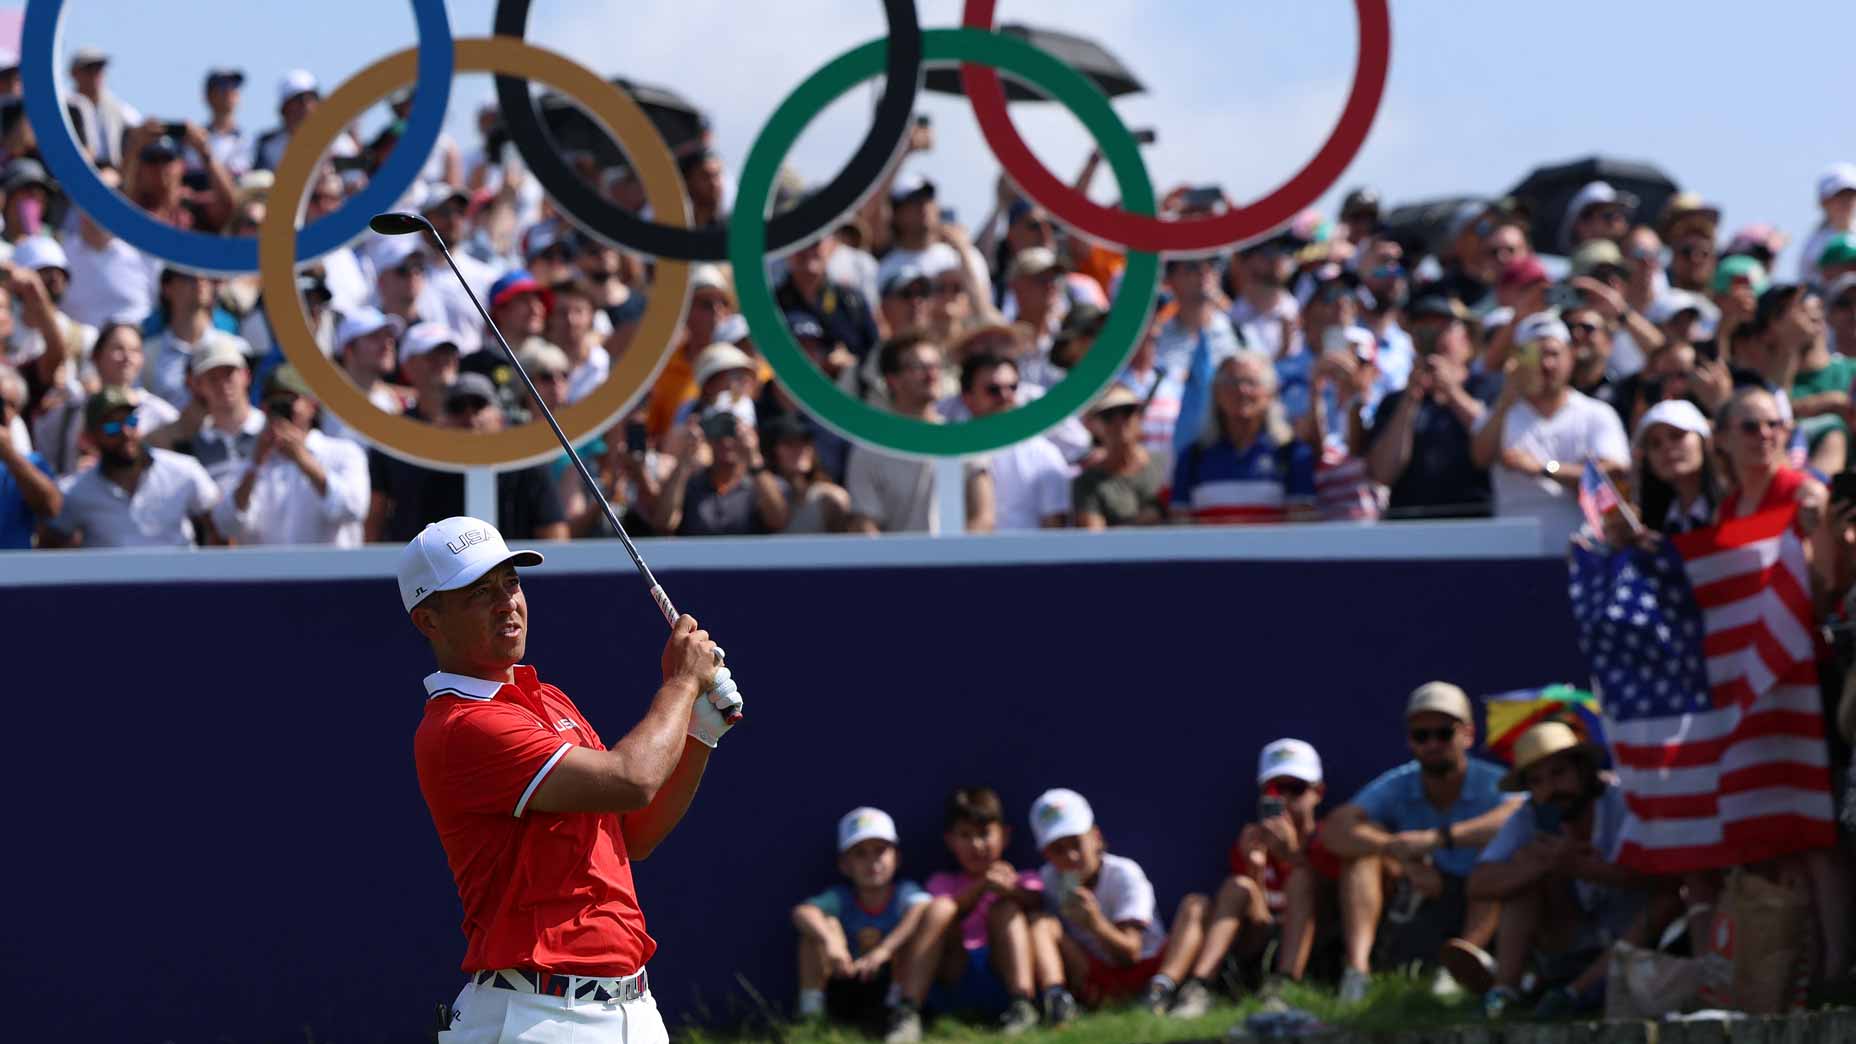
{"x": 485, "y": 1015}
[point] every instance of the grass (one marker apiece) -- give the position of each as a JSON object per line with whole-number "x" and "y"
{"x": 1395, "y": 1002}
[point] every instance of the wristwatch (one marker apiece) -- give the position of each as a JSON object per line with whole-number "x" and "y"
{"x": 1445, "y": 839}
{"x": 1550, "y": 469}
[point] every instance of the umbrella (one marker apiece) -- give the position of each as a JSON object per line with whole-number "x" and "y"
{"x": 573, "y": 130}
{"x": 1546, "y": 192}
{"x": 1080, "y": 53}
{"x": 1420, "y": 227}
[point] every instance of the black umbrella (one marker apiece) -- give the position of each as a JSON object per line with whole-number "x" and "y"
{"x": 1080, "y": 53}
{"x": 574, "y": 130}
{"x": 1547, "y": 191}
{"x": 1420, "y": 228}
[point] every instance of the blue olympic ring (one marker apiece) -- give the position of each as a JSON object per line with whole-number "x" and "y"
{"x": 236, "y": 255}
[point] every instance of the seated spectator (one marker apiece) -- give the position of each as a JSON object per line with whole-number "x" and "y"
{"x": 891, "y": 494}
{"x": 1100, "y": 918}
{"x": 135, "y": 495}
{"x": 298, "y": 486}
{"x": 1245, "y": 466}
{"x": 974, "y": 942}
{"x": 721, "y": 486}
{"x": 29, "y": 494}
{"x": 406, "y": 497}
{"x": 1419, "y": 444}
{"x": 854, "y": 936}
{"x": 366, "y": 345}
{"x": 815, "y": 503}
{"x": 1126, "y": 484}
{"x": 1553, "y": 869}
{"x": 1030, "y": 480}
{"x": 1541, "y": 431}
{"x": 571, "y": 328}
{"x": 1417, "y": 828}
{"x": 1283, "y": 884}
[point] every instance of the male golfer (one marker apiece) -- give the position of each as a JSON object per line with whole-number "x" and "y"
{"x": 540, "y": 821}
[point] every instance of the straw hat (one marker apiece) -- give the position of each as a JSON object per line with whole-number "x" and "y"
{"x": 1538, "y": 744}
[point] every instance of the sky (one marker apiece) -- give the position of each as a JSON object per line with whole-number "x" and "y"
{"x": 1737, "y": 105}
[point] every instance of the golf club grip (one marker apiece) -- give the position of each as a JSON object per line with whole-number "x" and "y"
{"x": 670, "y": 617}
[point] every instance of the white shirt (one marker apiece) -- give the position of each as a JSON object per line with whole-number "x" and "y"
{"x": 285, "y": 509}
{"x": 1031, "y": 482}
{"x": 114, "y": 283}
{"x": 1124, "y": 894}
{"x": 1262, "y": 330}
{"x": 459, "y": 314}
{"x": 173, "y": 490}
{"x": 1583, "y": 427}
{"x": 589, "y": 375}
{"x": 57, "y": 431}
{"x": 226, "y": 455}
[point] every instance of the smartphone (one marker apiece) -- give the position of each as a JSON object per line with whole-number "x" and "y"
{"x": 922, "y": 120}
{"x": 282, "y": 409}
{"x": 1205, "y": 197}
{"x": 1843, "y": 487}
{"x": 1564, "y": 298}
{"x": 720, "y": 424}
{"x": 344, "y": 164}
{"x": 635, "y": 438}
{"x": 1146, "y": 136}
{"x": 1067, "y": 881}
{"x": 1271, "y": 806}
{"x": 177, "y": 131}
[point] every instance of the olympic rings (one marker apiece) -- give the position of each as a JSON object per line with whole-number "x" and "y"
{"x": 818, "y": 212}
{"x": 1202, "y": 235}
{"x": 40, "y": 35}
{"x": 906, "y": 435}
{"x": 448, "y": 448}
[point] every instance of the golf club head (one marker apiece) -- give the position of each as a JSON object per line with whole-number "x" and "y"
{"x": 397, "y": 223}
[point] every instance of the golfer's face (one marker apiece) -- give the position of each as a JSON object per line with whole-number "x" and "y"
{"x": 488, "y": 621}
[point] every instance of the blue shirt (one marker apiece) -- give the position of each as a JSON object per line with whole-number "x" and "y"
{"x": 16, "y": 519}
{"x": 1612, "y": 908}
{"x": 864, "y": 928}
{"x": 1396, "y": 802}
{"x": 1217, "y": 483}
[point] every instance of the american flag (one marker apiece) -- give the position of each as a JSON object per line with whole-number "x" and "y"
{"x": 1596, "y": 496}
{"x": 1703, "y": 656}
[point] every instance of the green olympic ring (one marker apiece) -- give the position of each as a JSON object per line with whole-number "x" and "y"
{"x": 908, "y": 436}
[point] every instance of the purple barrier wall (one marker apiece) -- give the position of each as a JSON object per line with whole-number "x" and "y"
{"x": 223, "y": 837}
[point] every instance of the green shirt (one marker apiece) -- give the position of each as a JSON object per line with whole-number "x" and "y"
{"x": 1836, "y": 376}
{"x": 1121, "y": 499}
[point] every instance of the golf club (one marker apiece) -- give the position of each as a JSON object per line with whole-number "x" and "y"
{"x": 400, "y": 223}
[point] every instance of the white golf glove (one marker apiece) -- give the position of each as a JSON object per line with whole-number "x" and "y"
{"x": 710, "y": 713}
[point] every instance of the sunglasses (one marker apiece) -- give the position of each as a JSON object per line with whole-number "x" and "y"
{"x": 1419, "y": 737}
{"x": 1584, "y": 328}
{"x": 117, "y": 427}
{"x": 914, "y": 293}
{"x": 949, "y": 289}
{"x": 1758, "y": 426}
{"x": 409, "y": 270}
{"x": 1117, "y": 414}
{"x": 1289, "y": 788}
{"x": 1002, "y": 390}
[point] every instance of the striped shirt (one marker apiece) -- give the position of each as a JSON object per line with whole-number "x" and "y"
{"x": 1260, "y": 483}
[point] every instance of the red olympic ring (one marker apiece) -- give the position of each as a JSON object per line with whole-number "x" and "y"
{"x": 1198, "y": 235}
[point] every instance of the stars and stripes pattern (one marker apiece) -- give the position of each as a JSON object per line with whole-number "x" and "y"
{"x": 1703, "y": 656}
{"x": 1596, "y": 496}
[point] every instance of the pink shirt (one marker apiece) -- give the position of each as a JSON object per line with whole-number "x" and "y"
{"x": 973, "y": 926}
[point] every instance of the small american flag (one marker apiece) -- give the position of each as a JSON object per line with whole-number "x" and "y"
{"x": 1703, "y": 656}
{"x": 1596, "y": 496}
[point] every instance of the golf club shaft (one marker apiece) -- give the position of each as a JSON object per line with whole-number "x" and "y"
{"x": 586, "y": 475}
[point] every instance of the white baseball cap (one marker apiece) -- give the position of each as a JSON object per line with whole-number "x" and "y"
{"x": 1058, "y": 814}
{"x": 36, "y": 252}
{"x": 1289, "y": 757}
{"x": 1840, "y": 177}
{"x": 452, "y": 554}
{"x": 295, "y": 82}
{"x": 720, "y": 358}
{"x": 364, "y": 321}
{"x": 423, "y": 337}
{"x": 392, "y": 251}
{"x": 1440, "y": 697}
{"x": 222, "y": 350}
{"x": 1539, "y": 327}
{"x": 1679, "y": 414}
{"x": 864, "y": 824}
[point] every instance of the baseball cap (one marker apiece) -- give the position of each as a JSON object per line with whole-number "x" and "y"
{"x": 1676, "y": 301}
{"x": 160, "y": 150}
{"x": 781, "y": 426}
{"x": 88, "y": 56}
{"x": 1117, "y": 396}
{"x": 1843, "y": 285}
{"x": 1596, "y": 254}
{"x": 1496, "y": 318}
{"x": 285, "y": 378}
{"x": 22, "y": 172}
{"x": 40, "y": 251}
{"x": 295, "y": 82}
{"x": 804, "y": 327}
{"x": 865, "y": 824}
{"x": 1033, "y": 261}
{"x": 1523, "y": 271}
{"x": 1083, "y": 320}
{"x": 1463, "y": 217}
{"x": 423, "y": 337}
{"x": 1680, "y": 414}
{"x": 902, "y": 276}
{"x": 1058, "y": 814}
{"x": 1363, "y": 200}
{"x": 537, "y": 355}
{"x": 908, "y": 186}
{"x": 107, "y": 400}
{"x": 1840, "y": 177}
{"x": 1686, "y": 204}
{"x": 1439, "y": 306}
{"x": 1539, "y": 327}
{"x": 1440, "y": 697}
{"x": 516, "y": 282}
{"x": 1840, "y": 250}
{"x": 451, "y": 554}
{"x": 389, "y": 252}
{"x": 1289, "y": 757}
{"x": 9, "y": 59}
{"x": 438, "y": 193}
{"x": 720, "y": 358}
{"x": 1597, "y": 193}
{"x": 710, "y": 277}
{"x": 230, "y": 77}
{"x": 223, "y": 350}
{"x": 1739, "y": 266}
{"x": 364, "y": 321}
{"x": 471, "y": 386}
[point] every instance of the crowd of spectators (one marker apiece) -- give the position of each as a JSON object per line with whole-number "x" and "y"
{"x": 1323, "y": 372}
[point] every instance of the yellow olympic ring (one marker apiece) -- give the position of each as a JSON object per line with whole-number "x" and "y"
{"x": 446, "y": 448}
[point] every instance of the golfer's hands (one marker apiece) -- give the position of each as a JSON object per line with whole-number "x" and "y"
{"x": 716, "y": 710}
{"x": 690, "y": 655}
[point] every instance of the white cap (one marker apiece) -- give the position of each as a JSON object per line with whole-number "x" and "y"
{"x": 1289, "y": 757}
{"x": 423, "y": 337}
{"x": 452, "y": 554}
{"x": 1539, "y": 327}
{"x": 295, "y": 82}
{"x": 709, "y": 277}
{"x": 908, "y": 184}
{"x": 537, "y": 355}
{"x": 1680, "y": 414}
{"x": 1440, "y": 697}
{"x": 39, "y": 252}
{"x": 221, "y": 349}
{"x": 1840, "y": 286}
{"x": 1674, "y": 302}
{"x": 1032, "y": 261}
{"x": 1839, "y": 178}
{"x": 390, "y": 251}
{"x": 1593, "y": 194}
{"x": 1058, "y": 814}
{"x": 1496, "y": 318}
{"x": 719, "y": 358}
{"x": 864, "y": 824}
{"x": 364, "y": 321}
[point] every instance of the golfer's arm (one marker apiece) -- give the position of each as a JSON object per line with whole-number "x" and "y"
{"x": 1350, "y": 835}
{"x": 646, "y": 828}
{"x": 628, "y": 777}
{"x": 1474, "y": 833}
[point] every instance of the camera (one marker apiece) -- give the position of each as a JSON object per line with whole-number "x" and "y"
{"x": 720, "y": 424}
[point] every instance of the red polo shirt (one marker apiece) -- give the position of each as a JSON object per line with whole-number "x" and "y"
{"x": 540, "y": 889}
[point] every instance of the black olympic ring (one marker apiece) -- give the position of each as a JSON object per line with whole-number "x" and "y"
{"x": 817, "y": 212}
